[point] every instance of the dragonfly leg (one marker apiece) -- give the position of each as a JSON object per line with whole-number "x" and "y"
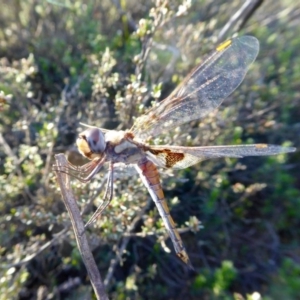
{"x": 83, "y": 173}
{"x": 106, "y": 199}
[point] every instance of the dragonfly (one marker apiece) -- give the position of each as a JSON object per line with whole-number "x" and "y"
{"x": 200, "y": 93}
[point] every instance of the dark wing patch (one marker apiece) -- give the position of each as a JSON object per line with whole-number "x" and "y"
{"x": 169, "y": 158}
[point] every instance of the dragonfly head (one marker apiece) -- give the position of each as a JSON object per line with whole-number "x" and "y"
{"x": 91, "y": 143}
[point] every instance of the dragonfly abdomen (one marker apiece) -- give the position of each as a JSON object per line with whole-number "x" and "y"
{"x": 150, "y": 177}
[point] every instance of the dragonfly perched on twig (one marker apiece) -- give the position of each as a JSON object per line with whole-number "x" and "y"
{"x": 202, "y": 91}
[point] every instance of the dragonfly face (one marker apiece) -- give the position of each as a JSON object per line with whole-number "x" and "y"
{"x": 200, "y": 93}
{"x": 91, "y": 143}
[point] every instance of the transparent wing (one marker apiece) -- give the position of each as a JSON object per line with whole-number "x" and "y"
{"x": 182, "y": 157}
{"x": 204, "y": 88}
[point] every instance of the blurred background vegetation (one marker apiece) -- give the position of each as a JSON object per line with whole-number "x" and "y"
{"x": 103, "y": 63}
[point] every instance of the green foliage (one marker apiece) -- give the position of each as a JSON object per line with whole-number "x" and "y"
{"x": 216, "y": 285}
{"x": 286, "y": 283}
{"x": 12, "y": 282}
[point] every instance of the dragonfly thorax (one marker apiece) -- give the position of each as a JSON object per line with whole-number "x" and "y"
{"x": 121, "y": 148}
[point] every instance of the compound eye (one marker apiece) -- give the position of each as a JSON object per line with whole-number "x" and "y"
{"x": 95, "y": 139}
{"x": 90, "y": 142}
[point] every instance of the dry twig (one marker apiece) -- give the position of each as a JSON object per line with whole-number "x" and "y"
{"x": 78, "y": 227}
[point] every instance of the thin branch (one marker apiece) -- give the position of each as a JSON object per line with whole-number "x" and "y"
{"x": 248, "y": 13}
{"x": 114, "y": 262}
{"x": 46, "y": 176}
{"x": 123, "y": 14}
{"x": 78, "y": 227}
{"x": 30, "y": 257}
{"x": 241, "y": 17}
{"x": 17, "y": 162}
